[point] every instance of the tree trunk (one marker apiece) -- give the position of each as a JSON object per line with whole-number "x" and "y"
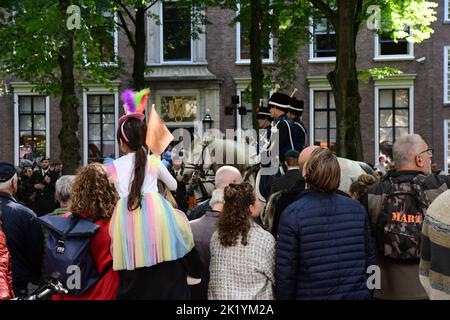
{"x": 68, "y": 136}
{"x": 139, "y": 51}
{"x": 344, "y": 83}
{"x": 256, "y": 67}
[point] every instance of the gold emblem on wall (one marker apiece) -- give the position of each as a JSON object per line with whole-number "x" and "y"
{"x": 179, "y": 108}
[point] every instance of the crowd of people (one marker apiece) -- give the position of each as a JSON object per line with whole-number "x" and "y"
{"x": 36, "y": 189}
{"x": 311, "y": 241}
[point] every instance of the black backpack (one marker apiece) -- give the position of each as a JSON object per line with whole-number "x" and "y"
{"x": 399, "y": 225}
{"x": 67, "y": 247}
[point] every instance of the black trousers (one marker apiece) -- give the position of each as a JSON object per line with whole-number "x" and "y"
{"x": 164, "y": 281}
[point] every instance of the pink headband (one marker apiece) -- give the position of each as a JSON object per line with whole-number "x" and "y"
{"x": 124, "y": 118}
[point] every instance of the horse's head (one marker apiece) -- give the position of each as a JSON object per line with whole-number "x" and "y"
{"x": 350, "y": 171}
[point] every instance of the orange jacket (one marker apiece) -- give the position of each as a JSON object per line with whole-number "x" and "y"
{"x": 6, "y": 288}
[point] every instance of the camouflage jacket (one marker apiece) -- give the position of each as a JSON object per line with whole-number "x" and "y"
{"x": 398, "y": 280}
{"x": 433, "y": 186}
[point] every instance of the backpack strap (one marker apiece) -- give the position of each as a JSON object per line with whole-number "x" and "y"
{"x": 74, "y": 221}
{"x": 420, "y": 194}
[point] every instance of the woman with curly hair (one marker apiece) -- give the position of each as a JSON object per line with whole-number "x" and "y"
{"x": 94, "y": 197}
{"x": 242, "y": 252}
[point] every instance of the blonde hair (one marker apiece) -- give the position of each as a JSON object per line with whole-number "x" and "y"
{"x": 322, "y": 171}
{"x": 165, "y": 192}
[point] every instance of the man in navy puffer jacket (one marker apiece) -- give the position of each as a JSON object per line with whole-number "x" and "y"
{"x": 323, "y": 247}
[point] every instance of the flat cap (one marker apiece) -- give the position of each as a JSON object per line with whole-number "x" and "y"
{"x": 7, "y": 171}
{"x": 292, "y": 154}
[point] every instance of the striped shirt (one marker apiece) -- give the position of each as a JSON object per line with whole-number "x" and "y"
{"x": 434, "y": 268}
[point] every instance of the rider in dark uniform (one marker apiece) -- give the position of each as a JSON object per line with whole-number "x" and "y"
{"x": 295, "y": 114}
{"x": 284, "y": 133}
{"x": 264, "y": 119}
{"x": 284, "y": 137}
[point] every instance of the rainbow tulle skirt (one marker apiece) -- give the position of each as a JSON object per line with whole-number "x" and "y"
{"x": 151, "y": 234}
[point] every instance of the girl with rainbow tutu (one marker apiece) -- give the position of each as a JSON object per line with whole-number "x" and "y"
{"x": 152, "y": 243}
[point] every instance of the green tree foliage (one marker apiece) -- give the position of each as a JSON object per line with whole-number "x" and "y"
{"x": 288, "y": 23}
{"x": 38, "y": 47}
{"x": 35, "y": 30}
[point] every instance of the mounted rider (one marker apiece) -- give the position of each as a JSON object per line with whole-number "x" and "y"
{"x": 285, "y": 134}
{"x": 264, "y": 119}
{"x": 295, "y": 114}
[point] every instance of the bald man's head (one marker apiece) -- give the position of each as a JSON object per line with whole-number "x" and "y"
{"x": 305, "y": 155}
{"x": 227, "y": 175}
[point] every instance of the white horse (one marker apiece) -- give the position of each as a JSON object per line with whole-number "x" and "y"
{"x": 204, "y": 156}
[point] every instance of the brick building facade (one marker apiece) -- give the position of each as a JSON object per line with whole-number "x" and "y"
{"x": 202, "y": 76}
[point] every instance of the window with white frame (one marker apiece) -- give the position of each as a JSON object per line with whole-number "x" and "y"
{"x": 447, "y": 146}
{"x": 388, "y": 49}
{"x": 393, "y": 117}
{"x": 323, "y": 46}
{"x": 324, "y": 119}
{"x": 447, "y": 11}
{"x": 447, "y": 74}
{"x": 32, "y": 136}
{"x": 243, "y": 43}
{"x": 101, "y": 127}
{"x": 176, "y": 32}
